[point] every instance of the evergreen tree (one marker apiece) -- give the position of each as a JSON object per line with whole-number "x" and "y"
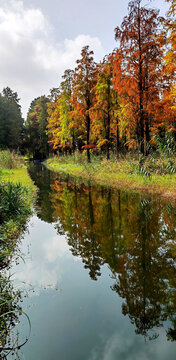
{"x": 11, "y": 122}
{"x": 37, "y": 139}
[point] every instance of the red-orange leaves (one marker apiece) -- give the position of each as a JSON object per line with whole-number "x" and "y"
{"x": 137, "y": 66}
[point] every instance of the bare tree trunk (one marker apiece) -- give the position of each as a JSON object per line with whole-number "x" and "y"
{"x": 108, "y": 123}
{"x": 88, "y": 137}
{"x": 140, "y": 86}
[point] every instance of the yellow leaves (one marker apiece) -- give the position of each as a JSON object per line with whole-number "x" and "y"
{"x": 132, "y": 144}
{"x": 102, "y": 143}
{"x": 173, "y": 95}
{"x": 153, "y": 141}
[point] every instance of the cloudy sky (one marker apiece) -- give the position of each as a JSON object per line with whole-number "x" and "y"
{"x": 39, "y": 39}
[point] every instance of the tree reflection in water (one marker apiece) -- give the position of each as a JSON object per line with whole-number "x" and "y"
{"x": 135, "y": 235}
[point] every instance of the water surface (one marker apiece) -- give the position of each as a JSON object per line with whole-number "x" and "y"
{"x": 99, "y": 274}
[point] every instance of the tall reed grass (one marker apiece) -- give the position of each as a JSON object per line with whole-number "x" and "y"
{"x": 10, "y": 160}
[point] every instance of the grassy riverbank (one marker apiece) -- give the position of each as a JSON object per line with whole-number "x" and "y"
{"x": 13, "y": 169}
{"x": 17, "y": 193}
{"x": 156, "y": 176}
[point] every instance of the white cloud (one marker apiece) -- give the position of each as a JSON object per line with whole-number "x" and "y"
{"x": 55, "y": 248}
{"x": 30, "y": 62}
{"x": 43, "y": 267}
{"x": 125, "y": 344}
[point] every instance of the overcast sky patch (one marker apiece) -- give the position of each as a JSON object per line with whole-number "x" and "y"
{"x": 30, "y": 62}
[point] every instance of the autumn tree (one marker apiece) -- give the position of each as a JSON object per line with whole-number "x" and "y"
{"x": 82, "y": 99}
{"x": 61, "y": 127}
{"x": 67, "y": 131}
{"x": 170, "y": 24}
{"x": 137, "y": 66}
{"x": 53, "y": 120}
{"x": 103, "y": 112}
{"x": 169, "y": 98}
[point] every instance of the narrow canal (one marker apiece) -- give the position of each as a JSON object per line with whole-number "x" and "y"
{"x": 97, "y": 273}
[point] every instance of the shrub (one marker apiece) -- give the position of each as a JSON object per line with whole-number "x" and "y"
{"x": 14, "y": 211}
{"x": 12, "y": 201}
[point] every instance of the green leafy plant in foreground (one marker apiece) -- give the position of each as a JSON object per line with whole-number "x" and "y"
{"x": 14, "y": 212}
{"x": 13, "y": 202}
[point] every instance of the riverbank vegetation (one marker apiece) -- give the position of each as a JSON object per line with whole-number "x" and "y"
{"x": 14, "y": 170}
{"x": 152, "y": 175}
{"x": 16, "y": 197}
{"x": 15, "y": 209}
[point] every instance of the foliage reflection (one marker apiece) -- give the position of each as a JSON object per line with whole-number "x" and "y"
{"x": 134, "y": 234}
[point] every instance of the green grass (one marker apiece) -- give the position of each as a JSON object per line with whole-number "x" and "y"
{"x": 13, "y": 169}
{"x": 128, "y": 172}
{"x": 15, "y": 209}
{"x": 18, "y": 176}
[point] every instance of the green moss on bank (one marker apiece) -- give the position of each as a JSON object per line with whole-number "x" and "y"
{"x": 125, "y": 173}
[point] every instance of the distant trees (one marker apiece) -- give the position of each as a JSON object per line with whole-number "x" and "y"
{"x": 11, "y": 121}
{"x": 36, "y": 137}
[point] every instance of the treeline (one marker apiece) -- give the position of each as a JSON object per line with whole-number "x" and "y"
{"x": 128, "y": 99}
{"x": 11, "y": 121}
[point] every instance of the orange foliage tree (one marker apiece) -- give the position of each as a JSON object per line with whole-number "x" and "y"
{"x": 138, "y": 65}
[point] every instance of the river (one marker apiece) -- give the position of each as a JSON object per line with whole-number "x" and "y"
{"x": 97, "y": 273}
